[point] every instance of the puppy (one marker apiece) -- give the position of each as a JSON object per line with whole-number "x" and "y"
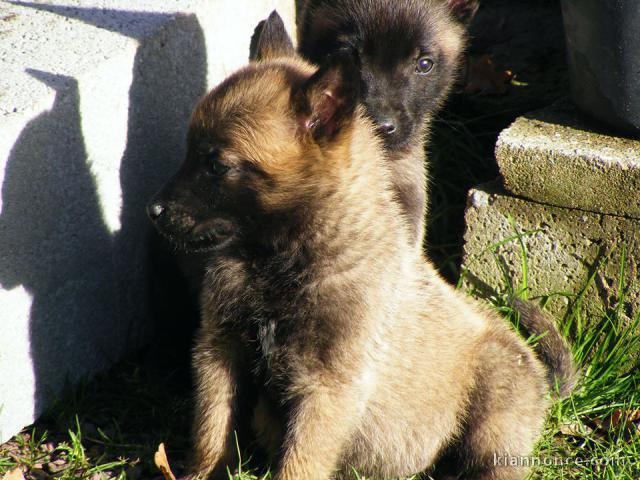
{"x": 318, "y": 317}
{"x": 409, "y": 52}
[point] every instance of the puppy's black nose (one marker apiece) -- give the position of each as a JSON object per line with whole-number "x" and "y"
{"x": 386, "y": 126}
{"x": 155, "y": 210}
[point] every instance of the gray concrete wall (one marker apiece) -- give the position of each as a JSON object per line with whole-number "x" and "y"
{"x": 564, "y": 248}
{"x": 94, "y": 100}
{"x": 578, "y": 189}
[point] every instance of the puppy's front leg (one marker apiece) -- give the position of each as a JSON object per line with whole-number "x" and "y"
{"x": 319, "y": 428}
{"x": 216, "y": 376}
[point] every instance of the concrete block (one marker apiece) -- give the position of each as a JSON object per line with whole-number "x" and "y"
{"x": 95, "y": 96}
{"x": 553, "y": 156}
{"x": 564, "y": 247}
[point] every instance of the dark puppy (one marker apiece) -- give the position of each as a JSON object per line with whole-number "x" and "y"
{"x": 409, "y": 52}
{"x": 318, "y": 318}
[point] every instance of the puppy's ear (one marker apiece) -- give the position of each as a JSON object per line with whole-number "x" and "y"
{"x": 463, "y": 10}
{"x": 270, "y": 40}
{"x": 327, "y": 101}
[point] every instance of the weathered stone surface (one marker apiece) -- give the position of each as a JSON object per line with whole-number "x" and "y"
{"x": 95, "y": 97}
{"x": 563, "y": 249}
{"x": 552, "y": 156}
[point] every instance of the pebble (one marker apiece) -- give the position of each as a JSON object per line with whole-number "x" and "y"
{"x": 56, "y": 466}
{"x": 38, "y": 474}
{"x": 48, "y": 447}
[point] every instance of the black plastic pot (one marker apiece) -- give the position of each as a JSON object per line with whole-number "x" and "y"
{"x": 603, "y": 44}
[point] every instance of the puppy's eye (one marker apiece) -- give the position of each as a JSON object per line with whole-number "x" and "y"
{"x": 217, "y": 168}
{"x": 424, "y": 65}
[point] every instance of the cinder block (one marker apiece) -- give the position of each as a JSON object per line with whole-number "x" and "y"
{"x": 563, "y": 246}
{"x": 553, "y": 156}
{"x": 95, "y": 96}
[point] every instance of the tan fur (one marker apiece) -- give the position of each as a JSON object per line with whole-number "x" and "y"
{"x": 216, "y": 377}
{"x": 374, "y": 362}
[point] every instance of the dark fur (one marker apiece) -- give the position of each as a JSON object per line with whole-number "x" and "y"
{"x": 270, "y": 39}
{"x": 551, "y": 348}
{"x": 318, "y": 318}
{"x": 390, "y": 37}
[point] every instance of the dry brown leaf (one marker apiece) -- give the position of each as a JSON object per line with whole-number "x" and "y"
{"x": 484, "y": 78}
{"x": 15, "y": 474}
{"x": 616, "y": 418}
{"x": 615, "y": 422}
{"x": 162, "y": 462}
{"x": 575, "y": 429}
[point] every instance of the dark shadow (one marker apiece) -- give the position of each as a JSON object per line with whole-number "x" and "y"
{"x": 54, "y": 243}
{"x": 299, "y": 9}
{"x": 62, "y": 250}
{"x": 564, "y": 113}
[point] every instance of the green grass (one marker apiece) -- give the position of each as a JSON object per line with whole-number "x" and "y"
{"x": 600, "y": 420}
{"x": 38, "y": 458}
{"x": 107, "y": 428}
{"x": 603, "y": 412}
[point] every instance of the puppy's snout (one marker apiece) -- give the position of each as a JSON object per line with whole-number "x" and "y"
{"x": 386, "y": 126}
{"x": 155, "y": 210}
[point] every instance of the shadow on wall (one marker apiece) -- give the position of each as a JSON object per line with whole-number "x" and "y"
{"x": 90, "y": 288}
{"x": 52, "y": 238}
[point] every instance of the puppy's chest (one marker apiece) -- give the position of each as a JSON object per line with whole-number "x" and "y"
{"x": 273, "y": 346}
{"x": 269, "y": 318}
{"x": 287, "y": 324}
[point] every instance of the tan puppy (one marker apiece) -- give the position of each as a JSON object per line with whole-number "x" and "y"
{"x": 319, "y": 318}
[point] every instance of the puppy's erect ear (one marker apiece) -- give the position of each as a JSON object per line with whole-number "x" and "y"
{"x": 327, "y": 101}
{"x": 463, "y": 10}
{"x": 270, "y": 40}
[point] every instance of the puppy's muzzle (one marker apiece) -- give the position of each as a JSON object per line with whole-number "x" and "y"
{"x": 169, "y": 219}
{"x": 386, "y": 126}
